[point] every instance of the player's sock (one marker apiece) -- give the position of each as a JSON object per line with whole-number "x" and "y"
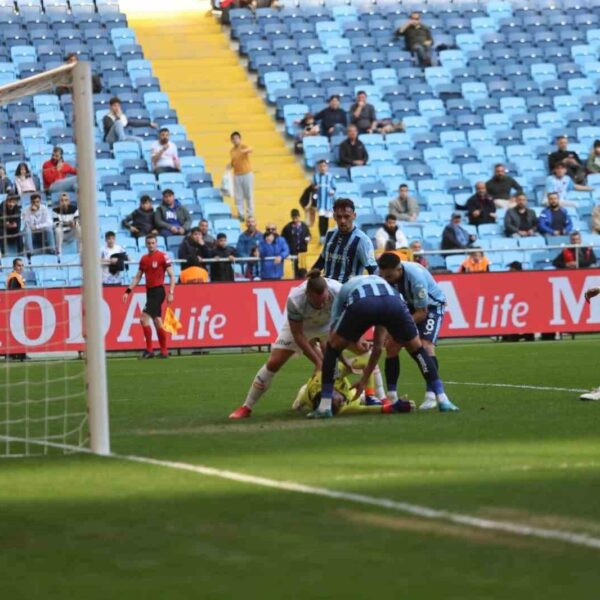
{"x": 379, "y": 389}
{"x": 148, "y": 335}
{"x": 259, "y": 386}
{"x": 428, "y": 384}
{"x": 329, "y": 361}
{"x": 428, "y": 370}
{"x": 392, "y": 374}
{"x": 162, "y": 340}
{"x": 436, "y": 363}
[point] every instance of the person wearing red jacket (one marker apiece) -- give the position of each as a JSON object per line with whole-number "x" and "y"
{"x": 577, "y": 257}
{"x": 58, "y": 175}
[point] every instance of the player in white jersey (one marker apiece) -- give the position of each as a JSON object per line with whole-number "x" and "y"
{"x": 308, "y": 315}
{"x": 595, "y": 393}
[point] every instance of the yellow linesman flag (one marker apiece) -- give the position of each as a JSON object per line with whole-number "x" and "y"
{"x": 171, "y": 322}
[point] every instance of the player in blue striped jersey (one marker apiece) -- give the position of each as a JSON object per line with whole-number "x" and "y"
{"x": 364, "y": 302}
{"x": 324, "y": 185}
{"x": 347, "y": 250}
{"x": 426, "y": 303}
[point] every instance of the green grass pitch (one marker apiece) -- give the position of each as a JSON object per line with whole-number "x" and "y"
{"x": 96, "y": 528}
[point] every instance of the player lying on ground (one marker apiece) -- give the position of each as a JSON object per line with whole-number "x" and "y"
{"x": 154, "y": 265}
{"x": 595, "y": 393}
{"x": 364, "y": 302}
{"x": 426, "y": 302}
{"x": 308, "y": 316}
{"x": 344, "y": 400}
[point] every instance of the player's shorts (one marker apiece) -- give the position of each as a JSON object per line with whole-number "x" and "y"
{"x": 390, "y": 312}
{"x": 285, "y": 339}
{"x": 155, "y": 296}
{"x": 429, "y": 327}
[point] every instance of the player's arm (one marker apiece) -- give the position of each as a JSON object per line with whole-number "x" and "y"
{"x": 136, "y": 279}
{"x": 419, "y": 315}
{"x": 378, "y": 341}
{"x": 171, "y": 293}
{"x": 297, "y": 329}
{"x": 367, "y": 255}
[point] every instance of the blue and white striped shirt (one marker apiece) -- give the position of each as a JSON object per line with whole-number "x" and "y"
{"x": 325, "y": 192}
{"x": 365, "y": 286}
{"x": 347, "y": 254}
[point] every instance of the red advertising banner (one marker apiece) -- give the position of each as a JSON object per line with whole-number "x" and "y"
{"x": 243, "y": 314}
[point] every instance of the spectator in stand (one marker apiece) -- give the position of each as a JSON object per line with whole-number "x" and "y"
{"x": 324, "y": 186}
{"x": 297, "y": 235}
{"x": 115, "y": 121}
{"x": 252, "y": 268}
{"x": 416, "y": 246}
{"x": 456, "y": 237}
{"x": 222, "y": 271}
{"x": 171, "y": 217}
{"x": 66, "y": 222}
{"x": 6, "y": 185}
{"x": 193, "y": 250}
{"x": 352, "y": 151}
{"x": 404, "y": 207}
{"x": 333, "y": 119}
{"x": 593, "y": 161}
{"x": 58, "y": 175}
{"x": 571, "y": 160}
{"x": 578, "y": 257}
{"x": 37, "y": 220}
{"x": 554, "y": 220}
{"x": 272, "y": 245}
{"x": 243, "y": 178}
{"x": 390, "y": 232}
{"x": 499, "y": 187}
{"x": 113, "y": 259}
{"x": 476, "y": 262}
{"x": 248, "y": 239}
{"x": 10, "y": 224}
{"x": 362, "y": 114}
{"x": 141, "y": 221}
{"x": 25, "y": 181}
{"x": 520, "y": 221}
{"x": 596, "y": 219}
{"x": 560, "y": 183}
{"x": 480, "y": 206}
{"x": 15, "y": 279}
{"x": 308, "y": 127}
{"x": 209, "y": 240}
{"x": 164, "y": 155}
{"x": 417, "y": 39}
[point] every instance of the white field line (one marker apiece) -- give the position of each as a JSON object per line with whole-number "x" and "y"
{"x": 424, "y": 512}
{"x": 519, "y": 386}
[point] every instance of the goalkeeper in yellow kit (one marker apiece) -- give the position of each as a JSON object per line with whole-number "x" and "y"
{"x": 345, "y": 401}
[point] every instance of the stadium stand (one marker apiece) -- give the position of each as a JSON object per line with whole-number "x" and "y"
{"x": 36, "y": 37}
{"x": 509, "y": 79}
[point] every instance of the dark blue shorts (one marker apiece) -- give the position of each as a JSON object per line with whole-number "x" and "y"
{"x": 429, "y": 327}
{"x": 390, "y": 312}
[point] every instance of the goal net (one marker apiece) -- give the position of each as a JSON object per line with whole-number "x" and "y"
{"x": 52, "y": 366}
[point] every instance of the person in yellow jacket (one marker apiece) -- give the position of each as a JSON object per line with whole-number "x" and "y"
{"x": 16, "y": 281}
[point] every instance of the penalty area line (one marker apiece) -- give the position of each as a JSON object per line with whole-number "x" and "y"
{"x": 424, "y": 512}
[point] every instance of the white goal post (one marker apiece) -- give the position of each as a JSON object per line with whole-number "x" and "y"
{"x": 78, "y": 77}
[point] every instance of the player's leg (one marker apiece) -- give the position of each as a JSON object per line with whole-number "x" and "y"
{"x": 375, "y": 382}
{"x": 392, "y": 368}
{"x": 145, "y": 321}
{"x": 403, "y": 329}
{"x": 262, "y": 381}
{"x": 335, "y": 346}
{"x": 429, "y": 330}
{"x": 162, "y": 337}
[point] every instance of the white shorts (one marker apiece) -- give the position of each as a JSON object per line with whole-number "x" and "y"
{"x": 285, "y": 339}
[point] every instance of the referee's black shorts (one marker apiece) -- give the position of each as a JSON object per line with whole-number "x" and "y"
{"x": 155, "y": 296}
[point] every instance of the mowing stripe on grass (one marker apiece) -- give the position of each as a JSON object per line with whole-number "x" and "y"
{"x": 541, "y": 388}
{"x": 424, "y": 512}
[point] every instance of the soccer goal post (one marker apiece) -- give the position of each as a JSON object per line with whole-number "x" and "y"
{"x": 37, "y": 407}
